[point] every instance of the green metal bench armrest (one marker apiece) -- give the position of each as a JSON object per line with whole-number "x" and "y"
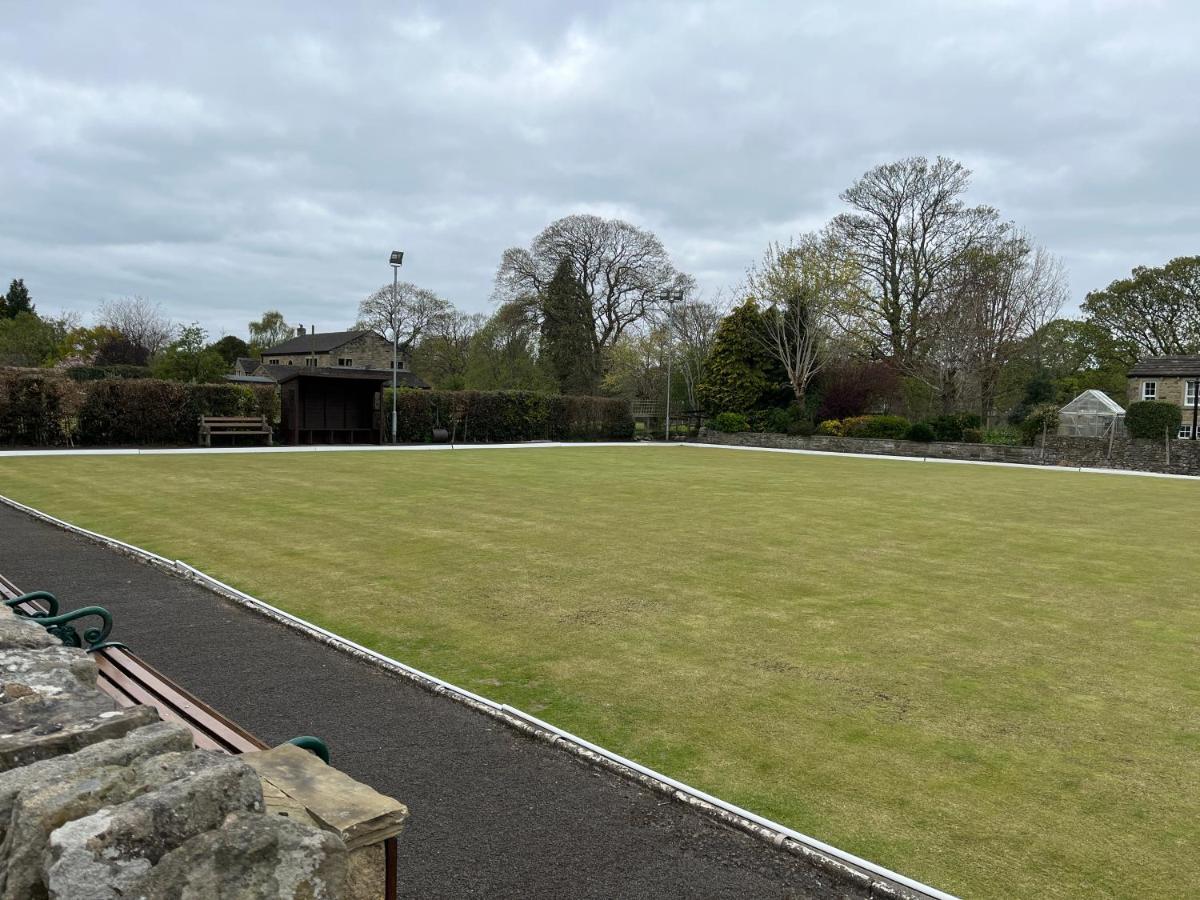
{"x": 91, "y": 639}
{"x": 50, "y": 599}
{"x": 313, "y": 745}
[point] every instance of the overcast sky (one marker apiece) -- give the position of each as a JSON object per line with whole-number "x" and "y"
{"x": 227, "y": 158}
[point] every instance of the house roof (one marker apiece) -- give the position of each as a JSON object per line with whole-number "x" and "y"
{"x": 250, "y": 379}
{"x": 281, "y": 374}
{"x": 1167, "y": 366}
{"x": 247, "y": 363}
{"x": 316, "y": 343}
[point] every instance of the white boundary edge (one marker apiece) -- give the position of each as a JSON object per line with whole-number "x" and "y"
{"x": 878, "y": 880}
{"x": 1033, "y": 467}
{"x": 535, "y": 445}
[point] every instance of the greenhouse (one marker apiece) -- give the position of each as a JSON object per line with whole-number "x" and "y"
{"x": 1092, "y": 414}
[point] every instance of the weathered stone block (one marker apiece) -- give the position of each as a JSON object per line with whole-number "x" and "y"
{"x": 150, "y": 740}
{"x": 103, "y": 854}
{"x": 252, "y": 856}
{"x": 20, "y": 633}
{"x": 60, "y": 736}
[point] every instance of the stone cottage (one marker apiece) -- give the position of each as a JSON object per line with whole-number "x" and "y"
{"x": 1169, "y": 379}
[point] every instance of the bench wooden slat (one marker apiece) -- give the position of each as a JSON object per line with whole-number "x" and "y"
{"x": 131, "y": 681}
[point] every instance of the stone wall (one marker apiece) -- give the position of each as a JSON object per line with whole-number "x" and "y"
{"x": 1074, "y": 452}
{"x": 1126, "y": 453}
{"x": 98, "y": 801}
{"x": 873, "y": 446}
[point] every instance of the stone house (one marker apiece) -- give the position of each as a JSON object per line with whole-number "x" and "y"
{"x": 362, "y": 349}
{"x": 1169, "y": 379}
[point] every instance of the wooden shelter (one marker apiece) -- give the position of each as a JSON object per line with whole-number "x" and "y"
{"x": 330, "y": 406}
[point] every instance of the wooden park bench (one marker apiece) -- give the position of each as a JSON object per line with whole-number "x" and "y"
{"x": 233, "y": 427}
{"x": 131, "y": 681}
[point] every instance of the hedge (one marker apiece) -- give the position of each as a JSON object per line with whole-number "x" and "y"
{"x": 50, "y": 410}
{"x": 98, "y": 373}
{"x": 508, "y": 416}
{"x": 1153, "y": 419}
{"x": 148, "y": 411}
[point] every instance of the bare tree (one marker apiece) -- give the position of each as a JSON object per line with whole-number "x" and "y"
{"x": 623, "y": 272}
{"x": 443, "y": 353}
{"x": 907, "y": 232}
{"x": 139, "y": 321}
{"x": 693, "y": 328}
{"x": 402, "y": 315}
{"x": 803, "y": 289}
{"x": 1000, "y": 293}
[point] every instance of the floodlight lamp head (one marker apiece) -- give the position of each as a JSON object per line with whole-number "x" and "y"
{"x": 397, "y": 258}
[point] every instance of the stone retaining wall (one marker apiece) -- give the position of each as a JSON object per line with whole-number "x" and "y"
{"x": 98, "y": 801}
{"x": 1074, "y": 452}
{"x": 875, "y": 446}
{"x": 1126, "y": 453}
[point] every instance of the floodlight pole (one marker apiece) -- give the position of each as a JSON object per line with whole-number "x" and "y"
{"x": 396, "y": 260}
{"x": 672, "y": 297}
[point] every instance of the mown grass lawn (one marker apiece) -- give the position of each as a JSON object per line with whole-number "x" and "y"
{"x": 985, "y": 678}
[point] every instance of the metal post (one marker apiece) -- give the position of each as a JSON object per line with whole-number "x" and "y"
{"x": 671, "y": 298}
{"x": 395, "y": 348}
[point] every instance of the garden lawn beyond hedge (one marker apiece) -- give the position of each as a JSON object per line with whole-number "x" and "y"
{"x": 985, "y": 678}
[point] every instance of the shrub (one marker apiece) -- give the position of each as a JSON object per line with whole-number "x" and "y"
{"x": 919, "y": 431}
{"x": 831, "y": 427}
{"x": 1005, "y": 436}
{"x": 772, "y": 421}
{"x": 972, "y": 435}
{"x": 1042, "y": 418}
{"x": 875, "y": 427}
{"x": 1153, "y": 419}
{"x": 951, "y": 427}
{"x": 146, "y": 411}
{"x": 37, "y": 410}
{"x": 504, "y": 416}
{"x": 730, "y": 422}
{"x": 97, "y": 373}
{"x": 801, "y": 428}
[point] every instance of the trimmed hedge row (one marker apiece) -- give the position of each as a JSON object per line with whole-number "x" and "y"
{"x": 504, "y": 416}
{"x": 51, "y": 410}
{"x": 1153, "y": 419}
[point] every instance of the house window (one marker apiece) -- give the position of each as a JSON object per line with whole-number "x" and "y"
{"x": 1185, "y": 431}
{"x": 345, "y": 361}
{"x": 1149, "y": 390}
{"x": 289, "y": 362}
{"x": 398, "y": 364}
{"x": 1189, "y": 392}
{"x": 310, "y": 361}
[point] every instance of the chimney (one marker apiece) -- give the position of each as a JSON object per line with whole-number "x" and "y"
{"x": 300, "y": 331}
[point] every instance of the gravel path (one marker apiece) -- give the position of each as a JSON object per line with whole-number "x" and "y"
{"x": 493, "y": 813}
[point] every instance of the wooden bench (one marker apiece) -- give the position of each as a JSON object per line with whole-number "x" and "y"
{"x": 233, "y": 427}
{"x": 131, "y": 681}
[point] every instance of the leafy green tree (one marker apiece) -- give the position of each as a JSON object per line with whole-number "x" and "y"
{"x": 442, "y": 356}
{"x": 503, "y": 354}
{"x": 29, "y": 340}
{"x": 567, "y": 334}
{"x": 739, "y": 374}
{"x": 85, "y": 343}
{"x": 230, "y": 347}
{"x": 270, "y": 330}
{"x": 16, "y": 301}
{"x": 1155, "y": 312}
{"x": 189, "y": 359}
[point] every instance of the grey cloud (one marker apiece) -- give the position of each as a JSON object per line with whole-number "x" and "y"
{"x": 225, "y": 158}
